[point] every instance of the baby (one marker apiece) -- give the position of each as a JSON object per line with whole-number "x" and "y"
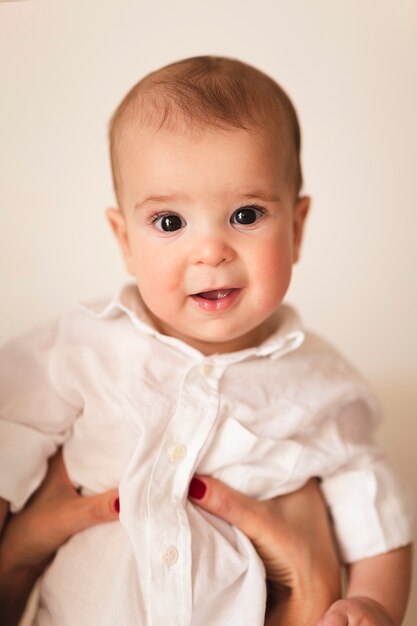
{"x": 198, "y": 366}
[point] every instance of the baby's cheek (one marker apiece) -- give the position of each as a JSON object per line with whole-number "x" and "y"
{"x": 160, "y": 288}
{"x": 275, "y": 266}
{"x": 273, "y": 278}
{"x": 155, "y": 273}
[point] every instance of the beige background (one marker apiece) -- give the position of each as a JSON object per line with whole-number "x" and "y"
{"x": 351, "y": 68}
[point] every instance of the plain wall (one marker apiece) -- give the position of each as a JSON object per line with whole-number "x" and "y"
{"x": 350, "y": 67}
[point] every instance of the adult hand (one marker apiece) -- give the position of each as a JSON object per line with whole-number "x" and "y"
{"x": 292, "y": 535}
{"x": 31, "y": 537}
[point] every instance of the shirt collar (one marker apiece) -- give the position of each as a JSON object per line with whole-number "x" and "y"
{"x": 287, "y": 337}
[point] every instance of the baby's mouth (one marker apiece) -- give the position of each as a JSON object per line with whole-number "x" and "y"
{"x": 215, "y": 294}
{"x": 217, "y": 300}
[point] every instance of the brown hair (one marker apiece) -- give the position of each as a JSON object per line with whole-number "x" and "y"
{"x": 210, "y": 91}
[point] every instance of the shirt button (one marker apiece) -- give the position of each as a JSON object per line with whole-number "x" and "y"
{"x": 177, "y": 453}
{"x": 206, "y": 369}
{"x": 170, "y": 556}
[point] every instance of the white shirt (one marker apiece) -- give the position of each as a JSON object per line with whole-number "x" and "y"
{"x": 145, "y": 411}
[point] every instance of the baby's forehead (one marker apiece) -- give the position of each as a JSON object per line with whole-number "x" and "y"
{"x": 203, "y": 93}
{"x": 140, "y": 137}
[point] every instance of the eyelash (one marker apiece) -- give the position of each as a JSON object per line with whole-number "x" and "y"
{"x": 255, "y": 207}
{"x": 156, "y": 216}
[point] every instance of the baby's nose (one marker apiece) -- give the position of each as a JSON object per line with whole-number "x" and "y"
{"x": 213, "y": 250}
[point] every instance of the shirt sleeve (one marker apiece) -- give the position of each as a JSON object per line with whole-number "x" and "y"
{"x": 371, "y": 507}
{"x": 34, "y": 418}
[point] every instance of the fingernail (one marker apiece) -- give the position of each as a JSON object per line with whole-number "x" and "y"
{"x": 197, "y": 489}
{"x": 116, "y": 505}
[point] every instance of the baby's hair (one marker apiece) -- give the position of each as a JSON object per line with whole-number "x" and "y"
{"x": 214, "y": 92}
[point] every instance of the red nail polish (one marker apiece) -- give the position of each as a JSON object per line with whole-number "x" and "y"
{"x": 197, "y": 489}
{"x": 117, "y": 505}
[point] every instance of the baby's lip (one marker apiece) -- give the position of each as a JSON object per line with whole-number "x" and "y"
{"x": 217, "y": 300}
{"x": 215, "y": 294}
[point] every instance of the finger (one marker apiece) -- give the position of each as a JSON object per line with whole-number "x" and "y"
{"x": 84, "y": 511}
{"x": 40, "y": 529}
{"x": 224, "y": 502}
{"x": 334, "y": 618}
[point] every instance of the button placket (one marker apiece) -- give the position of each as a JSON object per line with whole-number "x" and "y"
{"x": 168, "y": 527}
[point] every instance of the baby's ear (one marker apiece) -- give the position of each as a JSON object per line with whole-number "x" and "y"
{"x": 118, "y": 223}
{"x": 300, "y": 212}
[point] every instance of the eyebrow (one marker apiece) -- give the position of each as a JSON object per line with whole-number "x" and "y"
{"x": 260, "y": 194}
{"x": 257, "y": 194}
{"x": 162, "y": 198}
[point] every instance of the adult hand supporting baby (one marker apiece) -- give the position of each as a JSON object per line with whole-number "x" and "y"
{"x": 30, "y": 538}
{"x": 292, "y": 535}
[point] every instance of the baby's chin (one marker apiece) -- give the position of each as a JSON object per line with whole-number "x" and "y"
{"x": 223, "y": 342}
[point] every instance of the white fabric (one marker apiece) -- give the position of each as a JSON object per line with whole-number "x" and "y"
{"x": 146, "y": 411}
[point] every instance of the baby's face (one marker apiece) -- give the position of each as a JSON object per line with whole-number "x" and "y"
{"x": 210, "y": 230}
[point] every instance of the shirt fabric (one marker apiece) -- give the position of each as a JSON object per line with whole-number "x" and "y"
{"x": 143, "y": 411}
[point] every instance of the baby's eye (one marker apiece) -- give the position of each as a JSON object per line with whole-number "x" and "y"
{"x": 169, "y": 222}
{"x": 247, "y": 215}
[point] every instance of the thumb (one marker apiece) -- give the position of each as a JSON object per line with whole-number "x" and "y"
{"x": 334, "y": 618}
{"x": 85, "y": 511}
{"x": 227, "y": 503}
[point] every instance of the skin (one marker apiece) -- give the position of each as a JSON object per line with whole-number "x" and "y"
{"x": 194, "y": 184}
{"x": 230, "y": 170}
{"x": 373, "y": 598}
{"x": 293, "y": 537}
{"x": 377, "y": 593}
{"x": 281, "y": 530}
{"x": 30, "y": 538}
{"x": 291, "y": 534}
{"x": 233, "y": 172}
